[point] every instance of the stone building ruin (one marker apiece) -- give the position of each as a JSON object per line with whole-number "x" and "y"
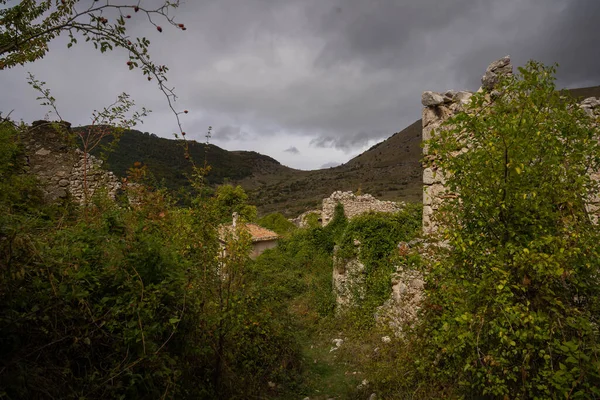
{"x": 60, "y": 166}
{"x": 355, "y": 205}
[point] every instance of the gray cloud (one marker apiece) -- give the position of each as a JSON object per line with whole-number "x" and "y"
{"x": 335, "y": 75}
{"x": 292, "y": 150}
{"x": 227, "y": 132}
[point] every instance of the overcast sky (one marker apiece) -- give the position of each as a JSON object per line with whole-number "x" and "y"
{"x": 313, "y": 83}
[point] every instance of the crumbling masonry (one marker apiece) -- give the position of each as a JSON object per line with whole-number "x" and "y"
{"x": 60, "y": 167}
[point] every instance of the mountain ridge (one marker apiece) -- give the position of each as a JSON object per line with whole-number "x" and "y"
{"x": 389, "y": 170}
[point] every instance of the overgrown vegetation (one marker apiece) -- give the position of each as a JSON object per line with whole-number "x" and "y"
{"x": 511, "y": 307}
{"x": 277, "y": 223}
{"x": 373, "y": 239}
{"x": 141, "y": 298}
{"x": 129, "y": 300}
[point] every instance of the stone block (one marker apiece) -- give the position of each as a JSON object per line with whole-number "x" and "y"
{"x": 429, "y": 99}
{"x": 431, "y": 176}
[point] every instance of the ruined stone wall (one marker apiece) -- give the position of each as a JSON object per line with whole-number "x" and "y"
{"x": 349, "y": 288}
{"x": 301, "y": 221}
{"x": 59, "y": 166}
{"x": 439, "y": 107}
{"x": 355, "y": 205}
{"x": 591, "y": 106}
{"x": 348, "y": 279}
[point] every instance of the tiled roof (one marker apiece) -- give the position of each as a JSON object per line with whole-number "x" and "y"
{"x": 258, "y": 233}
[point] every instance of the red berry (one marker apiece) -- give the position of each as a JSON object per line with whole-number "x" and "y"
{"x": 182, "y": 133}
{"x": 185, "y": 111}
{"x": 158, "y": 28}
{"x": 136, "y": 9}
{"x": 128, "y": 16}
{"x": 149, "y": 78}
{"x": 181, "y": 25}
{"x": 129, "y": 42}
{"x": 184, "y": 28}
{"x": 128, "y": 62}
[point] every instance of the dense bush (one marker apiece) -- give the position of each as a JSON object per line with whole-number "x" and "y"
{"x": 277, "y": 223}
{"x": 512, "y": 302}
{"x": 297, "y": 273}
{"x": 127, "y": 300}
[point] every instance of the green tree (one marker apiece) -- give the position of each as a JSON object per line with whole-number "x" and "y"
{"x": 127, "y": 302}
{"x": 513, "y": 303}
{"x": 278, "y": 223}
{"x": 230, "y": 199}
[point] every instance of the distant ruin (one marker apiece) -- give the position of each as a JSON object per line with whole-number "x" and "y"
{"x": 355, "y": 205}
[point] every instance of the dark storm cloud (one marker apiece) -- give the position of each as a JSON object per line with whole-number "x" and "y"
{"x": 551, "y": 31}
{"x": 572, "y": 41}
{"x": 346, "y": 143}
{"x": 387, "y": 33}
{"x": 227, "y": 132}
{"x": 292, "y": 150}
{"x": 335, "y": 75}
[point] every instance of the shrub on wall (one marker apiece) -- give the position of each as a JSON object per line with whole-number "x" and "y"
{"x": 512, "y": 297}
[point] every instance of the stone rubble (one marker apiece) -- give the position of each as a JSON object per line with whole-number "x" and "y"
{"x": 496, "y": 69}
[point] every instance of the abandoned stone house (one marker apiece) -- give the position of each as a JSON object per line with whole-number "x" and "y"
{"x": 262, "y": 238}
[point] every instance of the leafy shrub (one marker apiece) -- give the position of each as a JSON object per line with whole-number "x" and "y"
{"x": 512, "y": 298}
{"x": 277, "y": 223}
{"x": 127, "y": 301}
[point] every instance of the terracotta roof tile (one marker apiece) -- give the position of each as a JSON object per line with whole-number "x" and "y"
{"x": 258, "y": 233}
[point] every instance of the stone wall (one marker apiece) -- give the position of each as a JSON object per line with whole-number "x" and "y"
{"x": 348, "y": 279}
{"x": 591, "y": 106}
{"x": 439, "y": 107}
{"x": 301, "y": 221}
{"x": 355, "y": 205}
{"x": 59, "y": 166}
{"x": 402, "y": 308}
